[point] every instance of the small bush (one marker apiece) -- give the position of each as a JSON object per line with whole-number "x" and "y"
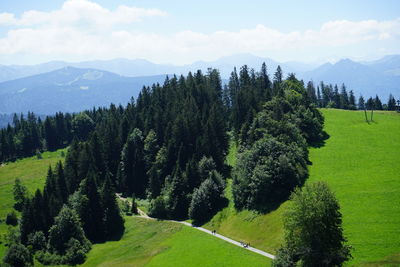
{"x": 12, "y": 219}
{"x": 157, "y": 208}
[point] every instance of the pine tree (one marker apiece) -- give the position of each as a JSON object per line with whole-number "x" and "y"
{"x": 352, "y": 101}
{"x": 132, "y": 178}
{"x": 391, "y": 103}
{"x": 92, "y": 212}
{"x": 20, "y": 194}
{"x": 361, "y": 103}
{"x": 113, "y": 221}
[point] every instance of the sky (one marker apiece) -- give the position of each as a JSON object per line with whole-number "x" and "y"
{"x": 182, "y": 32}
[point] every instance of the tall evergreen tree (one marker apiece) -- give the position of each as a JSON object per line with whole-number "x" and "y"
{"x": 92, "y": 215}
{"x": 113, "y": 221}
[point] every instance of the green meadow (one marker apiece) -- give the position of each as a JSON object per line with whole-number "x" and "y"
{"x": 32, "y": 172}
{"x": 361, "y": 163}
{"x": 163, "y": 243}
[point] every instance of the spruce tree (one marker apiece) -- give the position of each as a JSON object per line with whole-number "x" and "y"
{"x": 92, "y": 214}
{"x": 113, "y": 221}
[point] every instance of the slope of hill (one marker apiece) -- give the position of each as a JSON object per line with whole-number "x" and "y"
{"x": 360, "y": 163}
{"x": 163, "y": 243}
{"x": 69, "y": 90}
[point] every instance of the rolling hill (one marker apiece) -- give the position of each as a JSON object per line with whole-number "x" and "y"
{"x": 361, "y": 165}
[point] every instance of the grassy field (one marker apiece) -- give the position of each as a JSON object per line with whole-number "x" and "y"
{"x": 32, "y": 172}
{"x": 361, "y": 164}
{"x": 141, "y": 241}
{"x": 162, "y": 243}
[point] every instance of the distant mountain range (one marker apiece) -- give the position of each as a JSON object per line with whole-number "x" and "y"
{"x": 64, "y": 86}
{"x": 70, "y": 89}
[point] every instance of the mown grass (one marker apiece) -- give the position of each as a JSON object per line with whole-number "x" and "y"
{"x": 361, "y": 164}
{"x": 164, "y": 243}
{"x": 32, "y": 172}
{"x": 190, "y": 247}
{"x": 263, "y": 231}
{"x": 142, "y": 240}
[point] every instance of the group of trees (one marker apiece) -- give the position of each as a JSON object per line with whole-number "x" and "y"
{"x": 59, "y": 223}
{"x": 29, "y": 135}
{"x": 273, "y": 139}
{"x": 329, "y": 96}
{"x": 273, "y": 146}
{"x": 168, "y": 146}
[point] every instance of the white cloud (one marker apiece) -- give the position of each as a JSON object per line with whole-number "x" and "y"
{"x": 75, "y": 12}
{"x": 82, "y": 29}
{"x": 7, "y": 19}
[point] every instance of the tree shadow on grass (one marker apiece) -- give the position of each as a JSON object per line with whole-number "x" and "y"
{"x": 223, "y": 203}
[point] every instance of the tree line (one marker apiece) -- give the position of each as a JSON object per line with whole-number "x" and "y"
{"x": 329, "y": 96}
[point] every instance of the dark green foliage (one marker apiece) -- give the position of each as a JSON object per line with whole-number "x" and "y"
{"x": 66, "y": 237}
{"x": 206, "y": 198}
{"x": 11, "y": 218}
{"x": 18, "y": 256}
{"x": 175, "y": 196}
{"x": 274, "y": 154}
{"x": 391, "y": 103}
{"x": 91, "y": 211}
{"x": 370, "y": 104}
{"x": 157, "y": 208}
{"x": 82, "y": 126}
{"x": 132, "y": 173}
{"x": 313, "y": 229}
{"x": 266, "y": 173}
{"x": 113, "y": 221}
{"x": 361, "y": 103}
{"x": 37, "y": 241}
{"x": 378, "y": 103}
{"x": 134, "y": 207}
{"x": 34, "y": 216}
{"x": 20, "y": 194}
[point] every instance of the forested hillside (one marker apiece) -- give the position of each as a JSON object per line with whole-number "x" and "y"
{"x": 169, "y": 147}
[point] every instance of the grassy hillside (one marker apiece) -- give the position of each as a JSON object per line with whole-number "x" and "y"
{"x": 32, "y": 172}
{"x": 162, "y": 243}
{"x": 159, "y": 243}
{"x": 361, "y": 164}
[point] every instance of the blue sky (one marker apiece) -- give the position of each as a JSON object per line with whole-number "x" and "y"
{"x": 181, "y": 32}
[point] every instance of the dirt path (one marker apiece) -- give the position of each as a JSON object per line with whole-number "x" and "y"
{"x": 142, "y": 214}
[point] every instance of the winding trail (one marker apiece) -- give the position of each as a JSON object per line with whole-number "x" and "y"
{"x": 142, "y": 214}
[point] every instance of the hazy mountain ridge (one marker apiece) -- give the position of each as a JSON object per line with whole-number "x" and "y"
{"x": 62, "y": 86}
{"x": 69, "y": 90}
